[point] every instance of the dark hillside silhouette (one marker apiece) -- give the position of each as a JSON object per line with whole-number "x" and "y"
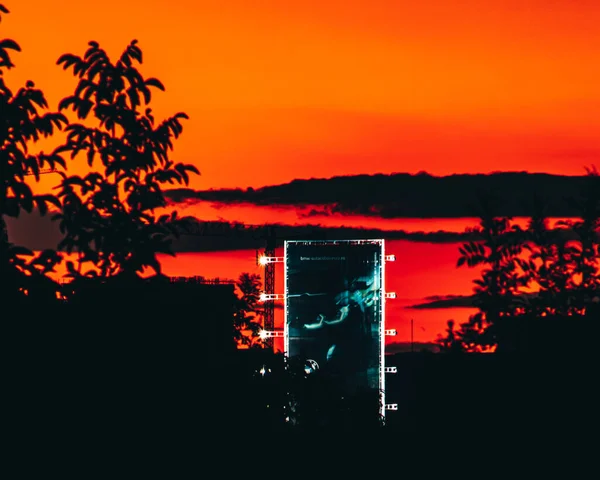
{"x": 208, "y": 236}
{"x": 405, "y": 195}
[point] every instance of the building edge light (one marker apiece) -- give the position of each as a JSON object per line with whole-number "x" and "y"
{"x": 286, "y": 338}
{"x": 382, "y": 330}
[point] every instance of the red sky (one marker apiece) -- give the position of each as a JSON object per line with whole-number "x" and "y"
{"x": 283, "y": 90}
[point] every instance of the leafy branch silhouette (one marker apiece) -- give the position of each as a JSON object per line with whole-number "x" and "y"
{"x": 24, "y": 120}
{"x": 108, "y": 215}
{"x": 248, "y": 309}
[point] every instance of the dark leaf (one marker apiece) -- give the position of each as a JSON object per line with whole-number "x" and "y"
{"x": 154, "y": 82}
{"x": 67, "y": 102}
{"x": 9, "y": 44}
{"x": 90, "y": 156}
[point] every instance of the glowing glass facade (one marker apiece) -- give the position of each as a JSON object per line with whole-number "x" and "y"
{"x": 335, "y": 309}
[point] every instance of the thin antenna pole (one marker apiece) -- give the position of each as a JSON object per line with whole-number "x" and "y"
{"x": 412, "y": 342}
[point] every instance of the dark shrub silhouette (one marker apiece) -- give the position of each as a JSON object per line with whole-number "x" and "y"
{"x": 540, "y": 290}
{"x": 247, "y": 319}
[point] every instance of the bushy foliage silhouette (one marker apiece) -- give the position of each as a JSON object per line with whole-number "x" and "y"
{"x": 24, "y": 119}
{"x": 546, "y": 266}
{"x": 248, "y": 312}
{"x": 536, "y": 284}
{"x": 108, "y": 215}
{"x": 494, "y": 292}
{"x": 583, "y": 250}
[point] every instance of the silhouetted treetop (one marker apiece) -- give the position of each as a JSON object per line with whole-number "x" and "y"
{"x": 248, "y": 308}
{"x": 6, "y": 45}
{"x": 108, "y": 214}
{"x": 111, "y": 85}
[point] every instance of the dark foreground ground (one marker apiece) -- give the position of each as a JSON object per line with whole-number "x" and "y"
{"x": 148, "y": 377}
{"x": 155, "y": 373}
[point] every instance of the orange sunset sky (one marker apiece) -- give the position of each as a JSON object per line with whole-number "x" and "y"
{"x": 282, "y": 90}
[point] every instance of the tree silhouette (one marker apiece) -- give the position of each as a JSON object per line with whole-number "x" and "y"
{"x": 108, "y": 215}
{"x": 452, "y": 341}
{"x": 248, "y": 312}
{"x": 559, "y": 267}
{"x": 548, "y": 265}
{"x": 496, "y": 293}
{"x": 23, "y": 121}
{"x": 583, "y": 251}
